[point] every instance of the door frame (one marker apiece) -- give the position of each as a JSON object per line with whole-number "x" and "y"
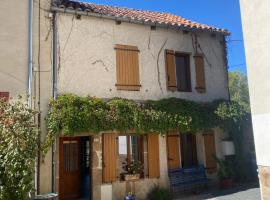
{"x": 57, "y": 164}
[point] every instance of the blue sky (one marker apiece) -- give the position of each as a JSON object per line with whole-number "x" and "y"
{"x": 220, "y": 13}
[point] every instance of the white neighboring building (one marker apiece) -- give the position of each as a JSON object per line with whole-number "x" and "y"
{"x": 256, "y": 27}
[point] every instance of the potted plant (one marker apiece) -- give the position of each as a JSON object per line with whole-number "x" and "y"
{"x": 133, "y": 171}
{"x": 225, "y": 173}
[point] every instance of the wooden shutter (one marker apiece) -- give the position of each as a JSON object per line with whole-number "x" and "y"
{"x": 171, "y": 71}
{"x": 127, "y": 68}
{"x": 153, "y": 156}
{"x": 200, "y": 74}
{"x": 210, "y": 152}
{"x": 4, "y": 96}
{"x": 109, "y": 157}
{"x": 173, "y": 151}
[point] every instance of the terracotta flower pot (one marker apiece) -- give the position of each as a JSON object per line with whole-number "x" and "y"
{"x": 226, "y": 183}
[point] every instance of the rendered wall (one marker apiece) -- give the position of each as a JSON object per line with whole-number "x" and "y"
{"x": 86, "y": 49}
{"x": 13, "y": 46}
{"x": 42, "y": 67}
{"x": 255, "y": 17}
{"x": 14, "y": 37}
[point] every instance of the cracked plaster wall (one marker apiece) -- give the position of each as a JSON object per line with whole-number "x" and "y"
{"x": 86, "y": 49}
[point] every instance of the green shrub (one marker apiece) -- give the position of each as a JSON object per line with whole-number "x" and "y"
{"x": 158, "y": 193}
{"x": 18, "y": 150}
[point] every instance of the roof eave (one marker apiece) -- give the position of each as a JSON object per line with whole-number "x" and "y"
{"x": 135, "y": 21}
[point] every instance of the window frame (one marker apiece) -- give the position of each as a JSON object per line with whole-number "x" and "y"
{"x": 129, "y": 152}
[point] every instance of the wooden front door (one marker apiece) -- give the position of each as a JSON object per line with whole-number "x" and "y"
{"x": 173, "y": 151}
{"x": 69, "y": 168}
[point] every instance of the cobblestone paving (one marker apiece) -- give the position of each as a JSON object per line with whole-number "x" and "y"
{"x": 241, "y": 193}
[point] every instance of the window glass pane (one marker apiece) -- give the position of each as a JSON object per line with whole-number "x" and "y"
{"x": 134, "y": 148}
{"x": 122, "y": 145}
{"x": 182, "y": 73}
{"x": 71, "y": 156}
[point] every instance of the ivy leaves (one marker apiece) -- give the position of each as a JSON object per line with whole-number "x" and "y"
{"x": 71, "y": 114}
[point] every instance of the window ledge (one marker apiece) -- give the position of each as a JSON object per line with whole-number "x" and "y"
{"x": 128, "y": 87}
{"x": 200, "y": 89}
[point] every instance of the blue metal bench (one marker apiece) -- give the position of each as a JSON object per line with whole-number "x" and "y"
{"x": 187, "y": 179}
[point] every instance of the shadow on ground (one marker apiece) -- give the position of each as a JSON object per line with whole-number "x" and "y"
{"x": 238, "y": 192}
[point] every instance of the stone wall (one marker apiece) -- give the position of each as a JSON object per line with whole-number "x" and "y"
{"x": 264, "y": 176}
{"x": 96, "y": 167}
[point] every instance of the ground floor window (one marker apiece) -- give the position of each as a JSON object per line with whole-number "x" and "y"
{"x": 131, "y": 155}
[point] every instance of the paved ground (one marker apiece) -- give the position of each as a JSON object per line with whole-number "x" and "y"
{"x": 251, "y": 192}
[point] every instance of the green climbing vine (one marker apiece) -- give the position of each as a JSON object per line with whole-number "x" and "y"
{"x": 70, "y": 114}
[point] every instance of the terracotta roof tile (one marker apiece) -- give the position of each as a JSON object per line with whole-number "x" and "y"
{"x": 138, "y": 15}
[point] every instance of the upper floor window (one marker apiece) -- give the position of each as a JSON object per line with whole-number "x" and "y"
{"x": 178, "y": 71}
{"x": 127, "y": 67}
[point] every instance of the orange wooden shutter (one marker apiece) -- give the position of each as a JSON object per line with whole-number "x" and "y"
{"x": 153, "y": 156}
{"x": 4, "y": 96}
{"x": 127, "y": 67}
{"x": 210, "y": 152}
{"x": 200, "y": 74}
{"x": 173, "y": 150}
{"x": 109, "y": 157}
{"x": 170, "y": 69}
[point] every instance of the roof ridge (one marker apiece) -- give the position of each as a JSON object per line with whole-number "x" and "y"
{"x": 123, "y": 7}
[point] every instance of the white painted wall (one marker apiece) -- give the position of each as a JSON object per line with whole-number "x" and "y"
{"x": 255, "y": 18}
{"x": 88, "y": 60}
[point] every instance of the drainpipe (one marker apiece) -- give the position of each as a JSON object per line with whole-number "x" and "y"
{"x": 54, "y": 89}
{"x": 30, "y": 53}
{"x": 225, "y": 47}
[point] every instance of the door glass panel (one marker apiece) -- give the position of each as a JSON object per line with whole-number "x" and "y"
{"x": 71, "y": 156}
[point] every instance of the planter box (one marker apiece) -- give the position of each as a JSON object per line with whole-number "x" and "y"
{"x": 132, "y": 177}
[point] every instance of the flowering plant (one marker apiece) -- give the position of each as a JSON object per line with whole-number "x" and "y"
{"x": 135, "y": 167}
